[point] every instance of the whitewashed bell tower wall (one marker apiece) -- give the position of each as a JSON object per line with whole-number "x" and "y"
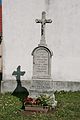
{"x": 21, "y": 35}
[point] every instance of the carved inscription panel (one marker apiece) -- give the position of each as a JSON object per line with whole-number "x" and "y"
{"x": 41, "y": 62}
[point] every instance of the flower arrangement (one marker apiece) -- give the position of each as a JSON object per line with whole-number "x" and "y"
{"x": 41, "y": 100}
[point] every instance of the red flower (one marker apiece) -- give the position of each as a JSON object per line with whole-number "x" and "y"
{"x": 32, "y": 101}
{"x": 29, "y": 100}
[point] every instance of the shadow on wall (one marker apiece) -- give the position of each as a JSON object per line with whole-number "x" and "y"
{"x": 20, "y": 92}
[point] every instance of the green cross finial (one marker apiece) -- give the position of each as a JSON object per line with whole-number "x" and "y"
{"x": 18, "y": 73}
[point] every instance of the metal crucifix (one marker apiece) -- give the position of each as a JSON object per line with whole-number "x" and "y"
{"x": 43, "y": 22}
{"x": 18, "y": 73}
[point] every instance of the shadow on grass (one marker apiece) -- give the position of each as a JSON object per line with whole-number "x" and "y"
{"x": 20, "y": 92}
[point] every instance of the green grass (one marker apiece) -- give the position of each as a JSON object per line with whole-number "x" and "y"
{"x": 68, "y": 108}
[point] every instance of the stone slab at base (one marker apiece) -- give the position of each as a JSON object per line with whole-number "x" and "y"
{"x": 10, "y": 85}
{"x": 36, "y": 109}
{"x": 41, "y": 86}
{"x": 36, "y": 93}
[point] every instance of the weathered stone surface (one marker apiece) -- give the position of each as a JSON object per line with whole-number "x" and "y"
{"x": 36, "y": 109}
{"x": 10, "y": 85}
{"x": 42, "y": 85}
{"x": 43, "y": 22}
{"x": 41, "y": 62}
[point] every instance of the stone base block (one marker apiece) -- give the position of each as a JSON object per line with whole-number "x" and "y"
{"x": 10, "y": 85}
{"x": 36, "y": 109}
{"x": 34, "y": 93}
{"x": 41, "y": 86}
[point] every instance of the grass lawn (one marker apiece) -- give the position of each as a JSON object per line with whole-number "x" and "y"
{"x": 68, "y": 108}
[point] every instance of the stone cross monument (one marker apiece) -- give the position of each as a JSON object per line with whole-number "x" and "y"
{"x": 43, "y": 22}
{"x": 41, "y": 79}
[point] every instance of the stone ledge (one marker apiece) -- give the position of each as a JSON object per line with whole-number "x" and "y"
{"x": 66, "y": 86}
{"x": 10, "y": 85}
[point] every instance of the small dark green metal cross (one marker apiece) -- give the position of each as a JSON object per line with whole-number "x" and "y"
{"x": 18, "y": 73}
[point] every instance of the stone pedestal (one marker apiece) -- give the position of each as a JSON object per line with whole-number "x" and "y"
{"x": 41, "y": 79}
{"x": 41, "y": 87}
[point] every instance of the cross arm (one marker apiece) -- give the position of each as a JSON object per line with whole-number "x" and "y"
{"x": 22, "y": 73}
{"x": 48, "y": 21}
{"x": 14, "y": 73}
{"x": 38, "y": 21}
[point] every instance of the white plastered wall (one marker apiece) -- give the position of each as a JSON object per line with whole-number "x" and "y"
{"x": 21, "y": 35}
